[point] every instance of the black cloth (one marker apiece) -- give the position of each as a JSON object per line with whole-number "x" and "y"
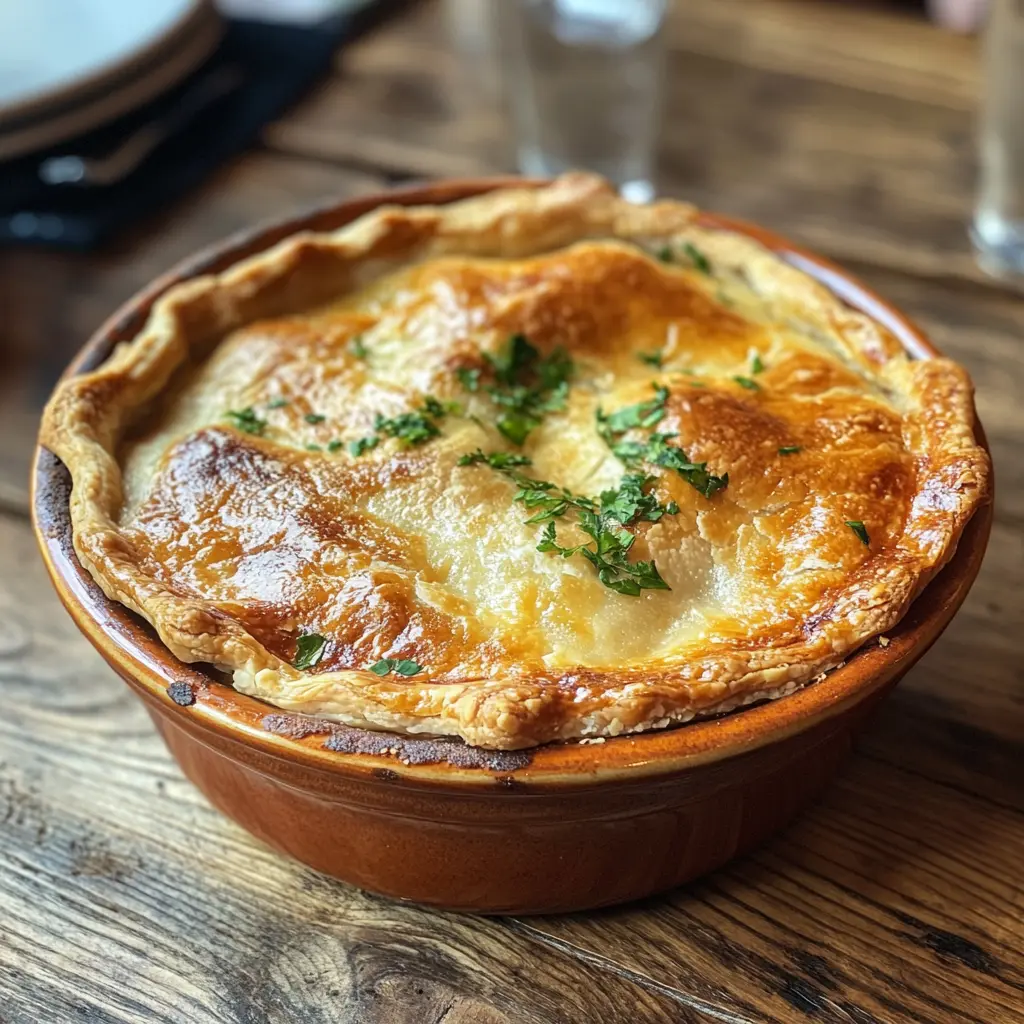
{"x": 276, "y": 63}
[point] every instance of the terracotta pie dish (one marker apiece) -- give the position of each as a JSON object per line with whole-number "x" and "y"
{"x": 519, "y": 824}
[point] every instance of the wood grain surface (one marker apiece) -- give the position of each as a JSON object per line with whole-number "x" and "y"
{"x": 900, "y": 898}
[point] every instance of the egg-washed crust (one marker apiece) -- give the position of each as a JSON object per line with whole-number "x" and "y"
{"x": 945, "y": 476}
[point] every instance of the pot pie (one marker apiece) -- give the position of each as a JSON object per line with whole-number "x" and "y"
{"x": 534, "y": 466}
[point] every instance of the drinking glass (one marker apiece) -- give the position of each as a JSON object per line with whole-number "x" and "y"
{"x": 998, "y": 227}
{"x": 584, "y": 82}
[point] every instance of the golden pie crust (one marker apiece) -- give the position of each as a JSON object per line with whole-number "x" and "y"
{"x": 234, "y": 544}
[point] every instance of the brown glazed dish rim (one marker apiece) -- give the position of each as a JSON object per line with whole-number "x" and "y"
{"x": 131, "y": 646}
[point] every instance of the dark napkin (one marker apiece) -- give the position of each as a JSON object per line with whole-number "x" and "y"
{"x": 275, "y": 64}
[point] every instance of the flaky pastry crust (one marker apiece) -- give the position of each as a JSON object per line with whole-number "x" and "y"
{"x": 234, "y": 545}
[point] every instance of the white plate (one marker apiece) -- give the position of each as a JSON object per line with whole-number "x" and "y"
{"x": 67, "y": 66}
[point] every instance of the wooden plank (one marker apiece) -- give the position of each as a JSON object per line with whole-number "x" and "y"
{"x": 849, "y": 129}
{"x": 125, "y": 898}
{"x": 957, "y": 717}
{"x": 53, "y": 301}
{"x": 894, "y": 900}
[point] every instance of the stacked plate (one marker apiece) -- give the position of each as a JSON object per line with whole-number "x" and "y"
{"x": 68, "y": 66}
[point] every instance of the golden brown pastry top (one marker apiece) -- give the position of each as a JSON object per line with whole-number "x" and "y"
{"x": 733, "y": 480}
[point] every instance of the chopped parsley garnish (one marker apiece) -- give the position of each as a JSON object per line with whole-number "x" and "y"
{"x": 309, "y": 649}
{"x": 643, "y": 414}
{"x": 651, "y": 358}
{"x": 790, "y": 449}
{"x": 277, "y": 403}
{"x": 246, "y": 420}
{"x": 516, "y": 426}
{"x": 860, "y": 529}
{"x": 697, "y": 258}
{"x": 746, "y": 382}
{"x": 496, "y": 460}
{"x": 404, "y": 667}
{"x": 756, "y": 363}
{"x": 335, "y": 446}
{"x": 694, "y": 473}
{"x": 524, "y": 385}
{"x": 314, "y": 417}
{"x": 411, "y": 428}
{"x": 516, "y": 356}
{"x": 363, "y": 445}
{"x": 439, "y": 409}
{"x": 604, "y": 521}
{"x": 358, "y": 347}
{"x": 654, "y": 448}
{"x": 630, "y": 502}
{"x": 314, "y": 448}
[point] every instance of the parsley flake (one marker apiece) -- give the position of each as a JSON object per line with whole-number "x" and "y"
{"x": 524, "y": 385}
{"x": 549, "y": 542}
{"x": 313, "y": 448}
{"x": 665, "y": 254}
{"x": 309, "y": 649}
{"x": 496, "y": 460}
{"x": 643, "y": 414}
{"x": 411, "y": 428}
{"x": 247, "y": 421}
{"x": 314, "y": 417}
{"x": 438, "y": 409}
{"x": 790, "y": 449}
{"x": 654, "y": 448}
{"x": 630, "y": 502}
{"x": 277, "y": 403}
{"x": 746, "y": 382}
{"x": 516, "y": 356}
{"x": 694, "y": 473}
{"x": 756, "y": 363}
{"x": 363, "y": 445}
{"x": 403, "y": 667}
{"x": 358, "y": 347}
{"x": 651, "y": 358}
{"x": 605, "y": 521}
{"x": 860, "y": 529}
{"x": 335, "y": 446}
{"x": 697, "y": 258}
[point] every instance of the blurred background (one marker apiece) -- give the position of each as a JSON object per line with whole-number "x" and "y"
{"x": 133, "y": 134}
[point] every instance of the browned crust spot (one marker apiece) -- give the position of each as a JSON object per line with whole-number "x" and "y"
{"x": 411, "y": 750}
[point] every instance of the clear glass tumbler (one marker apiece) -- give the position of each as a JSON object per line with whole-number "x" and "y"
{"x": 584, "y": 82}
{"x": 998, "y": 228}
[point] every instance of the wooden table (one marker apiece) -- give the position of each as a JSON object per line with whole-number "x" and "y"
{"x": 124, "y": 897}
